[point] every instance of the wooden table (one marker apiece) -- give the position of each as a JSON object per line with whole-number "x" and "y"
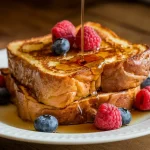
{"x": 142, "y": 143}
{"x": 19, "y": 20}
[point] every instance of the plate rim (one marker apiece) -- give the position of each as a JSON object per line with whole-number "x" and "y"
{"x": 125, "y": 133}
{"x": 128, "y": 132}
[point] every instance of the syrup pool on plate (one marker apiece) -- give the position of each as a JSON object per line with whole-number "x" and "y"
{"x": 9, "y": 116}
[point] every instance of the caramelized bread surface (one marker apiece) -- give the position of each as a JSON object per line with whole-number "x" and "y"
{"x": 78, "y": 112}
{"x": 58, "y": 81}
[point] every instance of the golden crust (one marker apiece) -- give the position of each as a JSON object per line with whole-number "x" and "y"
{"x": 127, "y": 74}
{"x": 82, "y": 111}
{"x": 47, "y": 88}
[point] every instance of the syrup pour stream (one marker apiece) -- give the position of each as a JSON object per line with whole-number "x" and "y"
{"x": 82, "y": 41}
{"x": 94, "y": 93}
{"x": 82, "y": 28}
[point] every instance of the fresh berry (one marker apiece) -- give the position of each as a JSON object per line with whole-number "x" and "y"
{"x": 145, "y": 83}
{"x": 61, "y": 46}
{"x": 147, "y": 88}
{"x": 91, "y": 39}
{"x": 46, "y": 123}
{"x": 108, "y": 117}
{"x": 2, "y": 81}
{"x": 126, "y": 116}
{"x": 142, "y": 101}
{"x": 4, "y": 96}
{"x": 64, "y": 29}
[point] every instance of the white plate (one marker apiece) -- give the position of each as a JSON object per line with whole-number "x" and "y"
{"x": 128, "y": 132}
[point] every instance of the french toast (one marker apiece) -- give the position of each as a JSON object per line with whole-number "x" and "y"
{"x": 58, "y": 81}
{"x": 82, "y": 111}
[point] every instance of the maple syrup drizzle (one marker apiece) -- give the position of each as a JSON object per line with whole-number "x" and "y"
{"x": 94, "y": 93}
{"x": 82, "y": 28}
{"x": 80, "y": 109}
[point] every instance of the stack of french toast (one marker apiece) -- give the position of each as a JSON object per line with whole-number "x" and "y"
{"x": 68, "y": 88}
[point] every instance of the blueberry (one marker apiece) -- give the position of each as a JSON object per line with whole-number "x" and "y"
{"x": 126, "y": 116}
{"x": 4, "y": 96}
{"x": 145, "y": 83}
{"x": 46, "y": 123}
{"x": 61, "y": 46}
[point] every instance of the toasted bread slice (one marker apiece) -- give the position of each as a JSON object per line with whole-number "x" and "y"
{"x": 78, "y": 112}
{"x": 58, "y": 81}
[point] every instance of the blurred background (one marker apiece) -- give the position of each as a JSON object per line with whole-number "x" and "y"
{"x": 21, "y": 19}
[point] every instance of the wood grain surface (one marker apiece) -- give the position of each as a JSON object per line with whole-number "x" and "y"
{"x": 19, "y": 20}
{"x": 142, "y": 143}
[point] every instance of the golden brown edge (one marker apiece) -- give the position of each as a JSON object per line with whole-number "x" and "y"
{"x": 76, "y": 113}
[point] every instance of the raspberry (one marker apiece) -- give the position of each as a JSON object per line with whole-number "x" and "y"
{"x": 108, "y": 117}
{"x": 2, "y": 81}
{"x": 142, "y": 101}
{"x": 64, "y": 29}
{"x": 91, "y": 39}
{"x": 147, "y": 88}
